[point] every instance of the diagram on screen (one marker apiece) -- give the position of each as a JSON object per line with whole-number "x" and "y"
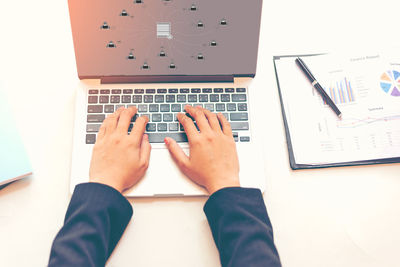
{"x": 160, "y": 31}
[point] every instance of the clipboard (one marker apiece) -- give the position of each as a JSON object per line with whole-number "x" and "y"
{"x": 292, "y": 160}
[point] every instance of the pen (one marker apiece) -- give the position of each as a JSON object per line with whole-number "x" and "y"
{"x": 317, "y": 86}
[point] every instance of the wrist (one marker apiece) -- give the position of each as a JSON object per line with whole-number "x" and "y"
{"x": 218, "y": 186}
{"x": 112, "y": 184}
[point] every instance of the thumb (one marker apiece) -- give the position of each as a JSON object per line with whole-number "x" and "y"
{"x": 177, "y": 153}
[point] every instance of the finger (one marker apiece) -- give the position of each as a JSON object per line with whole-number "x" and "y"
{"x": 145, "y": 150}
{"x": 188, "y": 125}
{"x": 102, "y": 132}
{"x": 112, "y": 120}
{"x": 125, "y": 119}
{"x": 181, "y": 159}
{"x": 226, "y": 126}
{"x": 198, "y": 114}
{"x": 213, "y": 121}
{"x": 139, "y": 128}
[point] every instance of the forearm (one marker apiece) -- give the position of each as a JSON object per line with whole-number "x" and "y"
{"x": 95, "y": 221}
{"x": 241, "y": 228}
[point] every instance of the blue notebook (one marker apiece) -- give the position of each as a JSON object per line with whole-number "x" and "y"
{"x": 14, "y": 162}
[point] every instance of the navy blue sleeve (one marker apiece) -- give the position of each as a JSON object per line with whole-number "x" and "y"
{"x": 241, "y": 228}
{"x": 95, "y": 221}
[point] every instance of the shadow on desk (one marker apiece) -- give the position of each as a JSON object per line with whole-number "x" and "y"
{"x": 15, "y": 186}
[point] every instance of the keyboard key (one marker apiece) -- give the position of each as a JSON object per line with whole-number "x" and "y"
{"x": 203, "y": 98}
{"x": 235, "y": 134}
{"x": 126, "y": 99}
{"x": 90, "y": 138}
{"x": 195, "y": 90}
{"x": 129, "y": 106}
{"x": 161, "y": 91}
{"x": 229, "y": 90}
{"x": 207, "y": 90}
{"x": 93, "y": 92}
{"x": 176, "y": 108}
{"x": 127, "y": 91}
{"x": 225, "y": 98}
{"x": 242, "y": 107}
{"x": 145, "y": 115}
{"x": 231, "y": 106}
{"x": 226, "y": 115}
{"x": 150, "y": 91}
{"x": 96, "y": 118}
{"x": 168, "y": 117}
{"x": 220, "y": 107}
{"x": 109, "y": 108}
{"x": 119, "y": 106}
{"x": 139, "y": 91}
{"x": 183, "y": 106}
{"x": 104, "y": 99}
{"x": 170, "y": 98}
{"x": 137, "y": 99}
{"x": 153, "y": 107}
{"x": 184, "y": 90}
{"x": 173, "y": 91}
{"x": 192, "y": 98}
{"x": 116, "y": 91}
{"x": 181, "y": 98}
{"x": 156, "y": 117}
{"x": 95, "y": 109}
{"x": 105, "y": 92}
{"x": 214, "y": 98}
{"x": 159, "y": 137}
{"x": 240, "y": 90}
{"x": 160, "y": 98}
{"x": 218, "y": 90}
{"x": 164, "y": 107}
{"x": 239, "y": 116}
{"x": 162, "y": 127}
{"x": 142, "y": 108}
{"x": 236, "y": 139}
{"x": 115, "y": 99}
{"x": 151, "y": 127}
{"x": 239, "y": 98}
{"x": 93, "y": 99}
{"x": 210, "y": 107}
{"x": 245, "y": 139}
{"x": 148, "y": 99}
{"x": 239, "y": 125}
{"x": 173, "y": 127}
{"x": 92, "y": 128}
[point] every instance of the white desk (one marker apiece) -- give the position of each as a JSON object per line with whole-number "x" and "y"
{"x": 331, "y": 217}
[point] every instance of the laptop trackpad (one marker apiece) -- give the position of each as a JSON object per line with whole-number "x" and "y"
{"x": 163, "y": 178}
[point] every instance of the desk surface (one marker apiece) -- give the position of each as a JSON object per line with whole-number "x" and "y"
{"x": 332, "y": 217}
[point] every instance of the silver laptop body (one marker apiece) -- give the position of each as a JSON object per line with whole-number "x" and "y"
{"x": 160, "y": 56}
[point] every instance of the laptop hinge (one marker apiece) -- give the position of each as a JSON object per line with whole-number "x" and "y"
{"x": 167, "y": 79}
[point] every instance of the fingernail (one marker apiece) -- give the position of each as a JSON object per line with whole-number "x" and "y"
{"x": 146, "y": 137}
{"x": 166, "y": 140}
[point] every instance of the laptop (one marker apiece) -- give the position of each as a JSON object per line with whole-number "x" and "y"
{"x": 160, "y": 56}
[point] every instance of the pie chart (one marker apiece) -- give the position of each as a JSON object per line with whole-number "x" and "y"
{"x": 390, "y": 82}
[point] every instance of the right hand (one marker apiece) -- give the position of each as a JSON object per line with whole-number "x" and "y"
{"x": 213, "y": 162}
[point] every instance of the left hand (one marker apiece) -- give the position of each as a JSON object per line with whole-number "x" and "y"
{"x": 120, "y": 159}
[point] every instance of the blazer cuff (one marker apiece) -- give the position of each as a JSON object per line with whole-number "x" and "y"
{"x": 102, "y": 195}
{"x": 225, "y": 197}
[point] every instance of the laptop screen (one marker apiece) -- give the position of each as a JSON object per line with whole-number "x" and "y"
{"x": 165, "y": 37}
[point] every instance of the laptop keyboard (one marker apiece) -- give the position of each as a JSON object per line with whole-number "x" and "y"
{"x": 162, "y": 106}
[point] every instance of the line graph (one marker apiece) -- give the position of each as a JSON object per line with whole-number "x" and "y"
{"x": 356, "y": 122}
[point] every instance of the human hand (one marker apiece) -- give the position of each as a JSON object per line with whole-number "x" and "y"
{"x": 120, "y": 159}
{"x": 213, "y": 162}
